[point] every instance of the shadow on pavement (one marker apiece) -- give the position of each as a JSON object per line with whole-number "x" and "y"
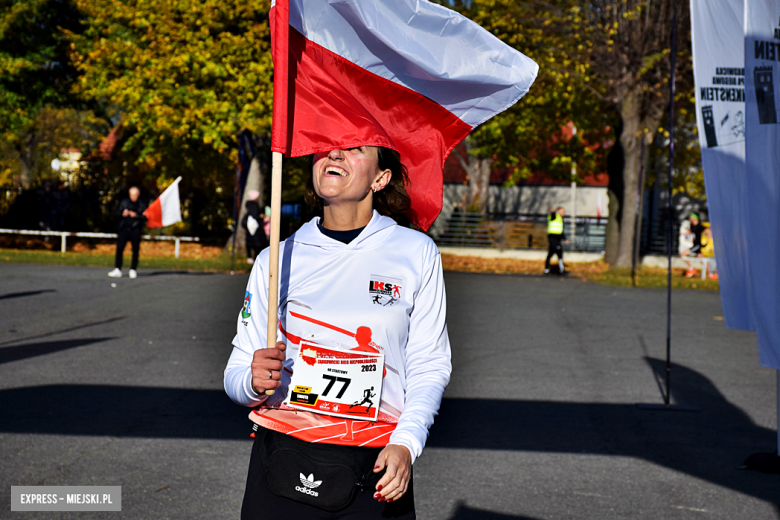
{"x": 9, "y": 296}
{"x": 145, "y": 274}
{"x": 124, "y": 411}
{"x": 62, "y": 331}
{"x": 709, "y": 445}
{"x": 8, "y": 354}
{"x": 466, "y": 513}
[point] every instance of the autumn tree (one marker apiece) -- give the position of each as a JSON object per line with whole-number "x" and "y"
{"x": 604, "y": 66}
{"x": 186, "y": 77}
{"x": 628, "y": 45}
{"x": 36, "y": 77}
{"x": 182, "y": 72}
{"x": 29, "y": 155}
{"x": 528, "y": 136}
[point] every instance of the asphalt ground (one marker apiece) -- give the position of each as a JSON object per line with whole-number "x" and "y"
{"x": 122, "y": 386}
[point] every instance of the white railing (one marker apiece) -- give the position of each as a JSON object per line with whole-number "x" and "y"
{"x": 83, "y": 234}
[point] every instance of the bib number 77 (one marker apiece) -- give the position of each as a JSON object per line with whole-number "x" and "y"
{"x": 331, "y": 380}
{"x": 336, "y": 382}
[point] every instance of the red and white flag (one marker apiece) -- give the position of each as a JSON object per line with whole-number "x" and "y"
{"x": 404, "y": 74}
{"x": 166, "y": 210}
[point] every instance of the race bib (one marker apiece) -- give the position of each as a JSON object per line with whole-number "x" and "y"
{"x": 337, "y": 382}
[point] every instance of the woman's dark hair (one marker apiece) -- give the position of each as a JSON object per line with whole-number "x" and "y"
{"x": 390, "y": 201}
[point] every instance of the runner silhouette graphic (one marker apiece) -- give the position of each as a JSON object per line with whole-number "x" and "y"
{"x": 367, "y": 395}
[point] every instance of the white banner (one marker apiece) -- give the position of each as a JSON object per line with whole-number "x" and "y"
{"x": 762, "y": 170}
{"x": 718, "y": 68}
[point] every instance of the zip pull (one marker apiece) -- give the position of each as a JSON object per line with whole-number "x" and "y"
{"x": 363, "y": 482}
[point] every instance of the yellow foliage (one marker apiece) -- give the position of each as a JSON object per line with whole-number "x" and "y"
{"x": 191, "y": 70}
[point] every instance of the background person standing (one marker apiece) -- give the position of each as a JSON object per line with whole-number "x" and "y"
{"x": 696, "y": 229}
{"x": 252, "y": 222}
{"x": 131, "y": 225}
{"x": 555, "y": 236}
{"x": 60, "y": 205}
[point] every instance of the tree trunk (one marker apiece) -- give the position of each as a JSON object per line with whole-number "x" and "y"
{"x": 615, "y": 163}
{"x": 631, "y": 135}
{"x": 613, "y": 228}
{"x": 26, "y": 177}
{"x": 479, "y": 184}
{"x": 630, "y": 139}
{"x": 258, "y": 171}
{"x": 478, "y": 171}
{"x": 254, "y": 181}
{"x": 27, "y": 151}
{"x": 641, "y": 181}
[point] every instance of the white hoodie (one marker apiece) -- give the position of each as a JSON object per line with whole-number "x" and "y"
{"x": 324, "y": 297}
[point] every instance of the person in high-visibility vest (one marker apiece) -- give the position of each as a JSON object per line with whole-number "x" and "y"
{"x": 555, "y": 238}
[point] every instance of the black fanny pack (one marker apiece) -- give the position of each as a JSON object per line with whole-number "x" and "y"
{"x": 326, "y": 476}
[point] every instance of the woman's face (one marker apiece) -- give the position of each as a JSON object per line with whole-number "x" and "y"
{"x": 344, "y": 176}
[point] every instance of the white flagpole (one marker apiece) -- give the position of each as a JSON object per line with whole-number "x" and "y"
{"x": 273, "y": 262}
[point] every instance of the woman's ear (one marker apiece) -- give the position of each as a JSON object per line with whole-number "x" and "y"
{"x": 382, "y": 179}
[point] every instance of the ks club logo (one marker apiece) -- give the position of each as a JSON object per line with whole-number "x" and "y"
{"x": 383, "y": 290}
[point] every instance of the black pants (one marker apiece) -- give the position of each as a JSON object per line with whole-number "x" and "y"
{"x": 255, "y": 244}
{"x": 261, "y": 504}
{"x": 133, "y": 235}
{"x": 555, "y": 247}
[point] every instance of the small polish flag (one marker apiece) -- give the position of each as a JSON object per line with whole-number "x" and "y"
{"x": 409, "y": 75}
{"x": 166, "y": 210}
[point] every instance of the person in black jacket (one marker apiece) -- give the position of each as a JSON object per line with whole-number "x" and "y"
{"x": 253, "y": 224}
{"x": 131, "y": 226}
{"x": 59, "y": 209}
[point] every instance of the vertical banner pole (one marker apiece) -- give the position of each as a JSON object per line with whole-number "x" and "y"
{"x": 778, "y": 412}
{"x": 573, "y": 207}
{"x": 673, "y": 53}
{"x": 573, "y": 198}
{"x": 273, "y": 262}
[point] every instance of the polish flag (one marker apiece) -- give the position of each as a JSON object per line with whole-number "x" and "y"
{"x": 166, "y": 210}
{"x": 404, "y": 74}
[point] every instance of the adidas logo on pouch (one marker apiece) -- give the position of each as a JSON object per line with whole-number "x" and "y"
{"x": 309, "y": 484}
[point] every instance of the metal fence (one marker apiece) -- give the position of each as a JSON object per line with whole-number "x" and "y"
{"x": 464, "y": 229}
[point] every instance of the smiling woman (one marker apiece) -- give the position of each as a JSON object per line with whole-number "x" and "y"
{"x": 356, "y": 286}
{"x": 391, "y": 199}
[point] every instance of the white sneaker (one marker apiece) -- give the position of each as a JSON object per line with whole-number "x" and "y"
{"x": 546, "y": 271}
{"x": 116, "y": 273}
{"x": 133, "y": 274}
